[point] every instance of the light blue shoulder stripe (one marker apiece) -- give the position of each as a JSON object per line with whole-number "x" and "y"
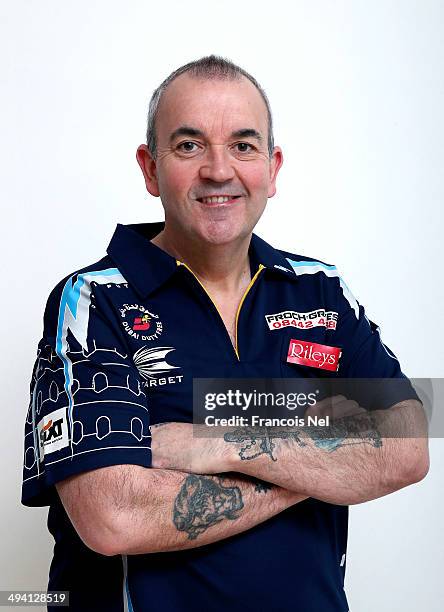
{"x": 306, "y": 264}
{"x": 313, "y": 267}
{"x": 74, "y": 315}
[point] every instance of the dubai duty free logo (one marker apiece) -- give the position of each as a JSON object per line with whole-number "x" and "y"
{"x": 140, "y": 323}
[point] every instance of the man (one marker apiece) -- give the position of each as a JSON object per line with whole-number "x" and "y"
{"x": 178, "y": 523}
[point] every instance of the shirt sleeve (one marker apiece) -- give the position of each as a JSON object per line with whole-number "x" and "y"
{"x": 87, "y": 409}
{"x": 365, "y": 356}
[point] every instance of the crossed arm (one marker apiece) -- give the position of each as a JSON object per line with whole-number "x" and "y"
{"x": 129, "y": 509}
{"x": 387, "y": 451}
{"x": 202, "y": 490}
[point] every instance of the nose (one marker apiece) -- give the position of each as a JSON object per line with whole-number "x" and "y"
{"x": 217, "y": 164}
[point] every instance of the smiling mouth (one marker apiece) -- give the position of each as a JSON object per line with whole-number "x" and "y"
{"x": 223, "y": 199}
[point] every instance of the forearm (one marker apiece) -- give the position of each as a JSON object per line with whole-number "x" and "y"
{"x": 356, "y": 459}
{"x": 338, "y": 469}
{"x": 164, "y": 510}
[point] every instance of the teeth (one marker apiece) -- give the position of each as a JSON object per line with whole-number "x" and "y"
{"x": 216, "y": 199}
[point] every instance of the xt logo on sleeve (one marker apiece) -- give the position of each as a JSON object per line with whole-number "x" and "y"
{"x": 314, "y": 355}
{"x": 52, "y": 432}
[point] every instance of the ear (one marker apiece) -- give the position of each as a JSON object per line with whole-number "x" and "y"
{"x": 276, "y": 161}
{"x": 148, "y": 166}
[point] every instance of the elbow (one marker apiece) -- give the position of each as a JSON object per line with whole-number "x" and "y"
{"x": 103, "y": 546}
{"x": 420, "y": 469}
{"x": 415, "y": 464}
{"x": 104, "y": 536}
{"x": 119, "y": 536}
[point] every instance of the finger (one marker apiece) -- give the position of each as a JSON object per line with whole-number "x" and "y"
{"x": 324, "y": 407}
{"x": 347, "y": 408}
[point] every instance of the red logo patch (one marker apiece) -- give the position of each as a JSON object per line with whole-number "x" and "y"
{"x": 141, "y": 323}
{"x": 314, "y": 355}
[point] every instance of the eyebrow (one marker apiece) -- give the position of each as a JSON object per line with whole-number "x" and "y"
{"x": 186, "y": 130}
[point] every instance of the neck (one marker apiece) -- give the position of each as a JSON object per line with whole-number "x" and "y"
{"x": 225, "y": 266}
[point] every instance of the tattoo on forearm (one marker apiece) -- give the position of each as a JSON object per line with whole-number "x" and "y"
{"x": 360, "y": 429}
{"x": 259, "y": 440}
{"x": 204, "y": 501}
{"x": 262, "y": 486}
{"x": 255, "y": 441}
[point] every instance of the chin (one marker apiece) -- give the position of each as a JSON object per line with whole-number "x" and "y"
{"x": 219, "y": 232}
{"x": 224, "y": 227}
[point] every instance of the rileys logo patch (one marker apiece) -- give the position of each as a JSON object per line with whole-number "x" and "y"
{"x": 140, "y": 323}
{"x": 314, "y": 355}
{"x": 303, "y": 320}
{"x": 52, "y": 432}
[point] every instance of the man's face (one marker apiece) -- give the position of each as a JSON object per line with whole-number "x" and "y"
{"x": 211, "y": 143}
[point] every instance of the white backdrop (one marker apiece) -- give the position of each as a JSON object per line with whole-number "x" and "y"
{"x": 357, "y": 91}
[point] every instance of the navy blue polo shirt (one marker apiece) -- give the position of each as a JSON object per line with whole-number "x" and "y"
{"x": 123, "y": 339}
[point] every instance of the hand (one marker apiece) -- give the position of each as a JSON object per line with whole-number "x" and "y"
{"x": 176, "y": 446}
{"x": 336, "y": 407}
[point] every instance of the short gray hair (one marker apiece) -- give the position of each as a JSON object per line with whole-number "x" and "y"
{"x": 209, "y": 67}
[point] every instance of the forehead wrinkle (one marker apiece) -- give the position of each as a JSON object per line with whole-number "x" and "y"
{"x": 244, "y": 111}
{"x": 187, "y": 130}
{"x": 226, "y": 117}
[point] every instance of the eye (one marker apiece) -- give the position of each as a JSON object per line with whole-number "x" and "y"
{"x": 244, "y": 147}
{"x": 187, "y": 146}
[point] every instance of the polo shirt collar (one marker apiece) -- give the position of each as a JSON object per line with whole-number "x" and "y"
{"x": 263, "y": 253}
{"x": 145, "y": 266}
